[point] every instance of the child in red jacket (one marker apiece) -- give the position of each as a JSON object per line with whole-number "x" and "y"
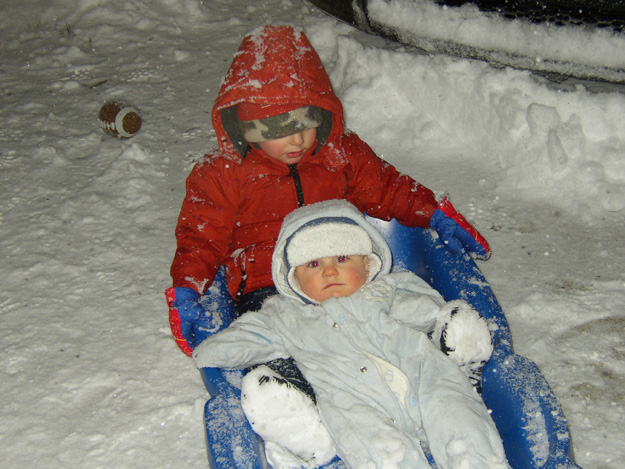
{"x": 282, "y": 144}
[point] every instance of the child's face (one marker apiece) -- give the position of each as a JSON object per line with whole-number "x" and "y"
{"x": 290, "y": 149}
{"x": 332, "y": 276}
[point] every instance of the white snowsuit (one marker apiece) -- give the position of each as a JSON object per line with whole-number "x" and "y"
{"x": 382, "y": 386}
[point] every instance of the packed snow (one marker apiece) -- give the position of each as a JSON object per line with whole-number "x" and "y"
{"x": 90, "y": 374}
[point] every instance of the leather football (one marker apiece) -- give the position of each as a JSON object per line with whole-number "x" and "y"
{"x": 119, "y": 119}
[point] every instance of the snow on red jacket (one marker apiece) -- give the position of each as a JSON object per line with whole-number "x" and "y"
{"x": 237, "y": 197}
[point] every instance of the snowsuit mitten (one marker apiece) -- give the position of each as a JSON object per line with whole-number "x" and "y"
{"x": 457, "y": 233}
{"x": 286, "y": 419}
{"x": 186, "y": 312}
{"x": 465, "y": 337}
{"x": 287, "y": 368}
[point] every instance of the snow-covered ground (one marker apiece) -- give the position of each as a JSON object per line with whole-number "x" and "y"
{"x": 90, "y": 375}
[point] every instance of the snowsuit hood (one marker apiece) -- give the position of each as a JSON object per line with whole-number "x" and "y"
{"x": 327, "y": 212}
{"x": 275, "y": 65}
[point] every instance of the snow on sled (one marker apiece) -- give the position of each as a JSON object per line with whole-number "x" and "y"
{"x": 528, "y": 417}
{"x": 557, "y": 39}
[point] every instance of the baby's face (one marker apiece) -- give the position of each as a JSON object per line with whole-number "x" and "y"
{"x": 332, "y": 276}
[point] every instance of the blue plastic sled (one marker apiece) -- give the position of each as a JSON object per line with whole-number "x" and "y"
{"x": 529, "y": 419}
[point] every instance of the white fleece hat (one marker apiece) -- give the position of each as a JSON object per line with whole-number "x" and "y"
{"x": 328, "y": 237}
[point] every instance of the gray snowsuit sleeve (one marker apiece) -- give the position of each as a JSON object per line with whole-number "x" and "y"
{"x": 415, "y": 303}
{"x": 250, "y": 340}
{"x": 467, "y": 336}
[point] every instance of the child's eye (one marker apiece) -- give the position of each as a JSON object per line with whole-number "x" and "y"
{"x": 341, "y": 258}
{"x": 314, "y": 264}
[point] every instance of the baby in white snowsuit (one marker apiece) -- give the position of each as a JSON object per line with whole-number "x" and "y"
{"x": 359, "y": 334}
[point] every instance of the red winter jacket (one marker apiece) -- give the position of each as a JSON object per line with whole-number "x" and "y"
{"x": 236, "y": 198}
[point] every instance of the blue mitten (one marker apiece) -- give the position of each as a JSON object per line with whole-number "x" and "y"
{"x": 456, "y": 233}
{"x": 185, "y": 312}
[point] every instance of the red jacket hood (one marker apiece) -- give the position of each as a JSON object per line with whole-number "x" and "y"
{"x": 274, "y": 65}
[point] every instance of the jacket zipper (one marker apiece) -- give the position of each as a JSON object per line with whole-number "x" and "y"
{"x": 298, "y": 184}
{"x": 300, "y": 203}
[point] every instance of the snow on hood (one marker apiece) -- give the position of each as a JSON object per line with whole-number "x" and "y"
{"x": 337, "y": 209}
{"x": 275, "y": 65}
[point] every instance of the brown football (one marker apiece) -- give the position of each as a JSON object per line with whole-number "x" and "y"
{"x": 119, "y": 119}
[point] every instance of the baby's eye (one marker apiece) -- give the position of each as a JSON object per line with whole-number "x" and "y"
{"x": 313, "y": 264}
{"x": 342, "y": 258}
